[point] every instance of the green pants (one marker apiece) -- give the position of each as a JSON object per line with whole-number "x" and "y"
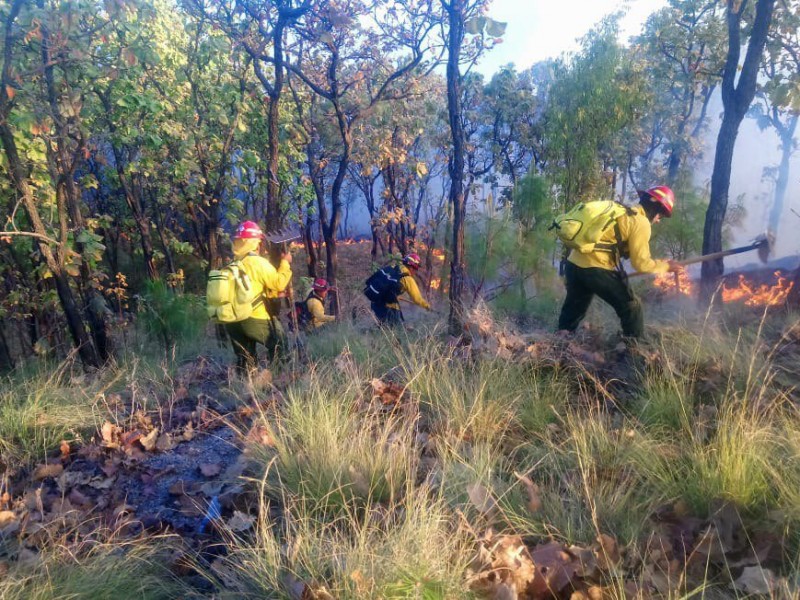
{"x": 247, "y": 334}
{"x": 611, "y": 286}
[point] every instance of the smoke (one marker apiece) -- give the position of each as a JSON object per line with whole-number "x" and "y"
{"x": 756, "y": 151}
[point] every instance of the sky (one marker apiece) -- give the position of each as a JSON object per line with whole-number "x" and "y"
{"x": 539, "y": 29}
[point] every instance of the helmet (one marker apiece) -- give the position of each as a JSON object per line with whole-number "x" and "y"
{"x": 248, "y": 230}
{"x": 661, "y": 195}
{"x": 412, "y": 260}
{"x": 320, "y": 285}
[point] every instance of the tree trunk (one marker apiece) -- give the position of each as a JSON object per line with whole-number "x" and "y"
{"x": 736, "y": 100}
{"x": 455, "y": 17}
{"x": 311, "y": 251}
{"x": 782, "y": 182}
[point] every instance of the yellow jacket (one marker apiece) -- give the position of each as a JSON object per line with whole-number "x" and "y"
{"x": 261, "y": 272}
{"x": 409, "y": 286}
{"x": 636, "y": 230}
{"x": 317, "y": 310}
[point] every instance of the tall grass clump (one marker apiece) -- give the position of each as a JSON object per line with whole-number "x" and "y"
{"x": 741, "y": 459}
{"x": 587, "y": 482}
{"x": 412, "y": 549}
{"x": 664, "y": 403}
{"x": 326, "y": 450}
{"x": 39, "y": 410}
{"x": 106, "y": 572}
{"x": 473, "y": 401}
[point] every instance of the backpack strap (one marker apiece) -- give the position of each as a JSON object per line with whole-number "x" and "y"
{"x": 618, "y": 248}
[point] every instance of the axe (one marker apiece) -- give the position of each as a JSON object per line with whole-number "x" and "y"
{"x": 762, "y": 244}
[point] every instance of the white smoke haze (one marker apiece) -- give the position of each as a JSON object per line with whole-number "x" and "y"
{"x": 755, "y": 151}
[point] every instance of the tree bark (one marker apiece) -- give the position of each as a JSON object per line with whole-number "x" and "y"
{"x": 455, "y": 39}
{"x": 782, "y": 182}
{"x": 736, "y": 100}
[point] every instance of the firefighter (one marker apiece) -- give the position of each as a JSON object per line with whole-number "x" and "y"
{"x": 314, "y": 314}
{"x": 600, "y": 272}
{"x": 388, "y": 283}
{"x": 260, "y": 328}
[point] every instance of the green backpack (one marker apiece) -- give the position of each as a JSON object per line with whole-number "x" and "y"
{"x": 230, "y": 296}
{"x": 582, "y": 227}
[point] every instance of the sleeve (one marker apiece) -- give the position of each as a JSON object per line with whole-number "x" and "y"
{"x": 273, "y": 280}
{"x": 409, "y": 285}
{"x": 639, "y": 249}
{"x": 317, "y": 311}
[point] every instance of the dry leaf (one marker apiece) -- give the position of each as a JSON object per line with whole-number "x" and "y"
{"x": 210, "y": 469}
{"x": 481, "y": 498}
{"x": 532, "y": 490}
{"x": 149, "y": 441}
{"x": 607, "y": 553}
{"x": 188, "y": 432}
{"x": 8, "y": 522}
{"x": 109, "y": 431}
{"x": 755, "y": 580}
{"x": 240, "y": 522}
{"x": 64, "y": 448}
{"x": 165, "y": 442}
{"x": 555, "y": 570}
{"x": 44, "y": 471}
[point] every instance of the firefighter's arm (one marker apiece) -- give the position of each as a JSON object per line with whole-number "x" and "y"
{"x": 409, "y": 285}
{"x": 639, "y": 249}
{"x": 317, "y": 311}
{"x": 274, "y": 280}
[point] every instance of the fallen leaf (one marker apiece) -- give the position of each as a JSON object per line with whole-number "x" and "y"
{"x": 755, "y": 580}
{"x": 607, "y": 552}
{"x": 481, "y": 498}
{"x": 165, "y": 442}
{"x": 210, "y": 469}
{"x": 64, "y": 448}
{"x": 45, "y": 471}
{"x": 149, "y": 441}
{"x": 99, "y": 483}
{"x": 555, "y": 569}
{"x": 9, "y": 522}
{"x": 177, "y": 488}
{"x": 532, "y": 490}
{"x": 188, "y": 432}
{"x": 240, "y": 522}
{"x": 109, "y": 432}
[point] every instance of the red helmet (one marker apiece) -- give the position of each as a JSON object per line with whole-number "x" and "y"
{"x": 248, "y": 230}
{"x": 661, "y": 195}
{"x": 320, "y": 285}
{"x": 412, "y": 260}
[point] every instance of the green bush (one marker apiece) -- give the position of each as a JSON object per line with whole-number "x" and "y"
{"x": 170, "y": 317}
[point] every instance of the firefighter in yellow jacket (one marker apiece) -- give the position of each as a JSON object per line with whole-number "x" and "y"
{"x": 388, "y": 312}
{"x": 600, "y": 272}
{"x": 315, "y": 304}
{"x": 260, "y": 328}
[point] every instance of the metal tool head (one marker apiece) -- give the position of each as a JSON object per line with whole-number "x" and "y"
{"x": 765, "y": 243}
{"x": 280, "y": 236}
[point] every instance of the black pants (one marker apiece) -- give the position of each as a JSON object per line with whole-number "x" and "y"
{"x": 611, "y": 286}
{"x": 386, "y": 315}
{"x": 247, "y": 334}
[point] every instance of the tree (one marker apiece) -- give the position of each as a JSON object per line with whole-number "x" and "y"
{"x": 363, "y": 67}
{"x": 777, "y": 102}
{"x": 461, "y": 17}
{"x": 595, "y": 98}
{"x": 26, "y": 176}
{"x": 683, "y": 48}
{"x": 738, "y": 90}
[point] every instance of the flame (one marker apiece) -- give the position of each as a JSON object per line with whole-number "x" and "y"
{"x": 436, "y": 283}
{"x": 438, "y": 254}
{"x": 758, "y": 295}
{"x": 678, "y": 282}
